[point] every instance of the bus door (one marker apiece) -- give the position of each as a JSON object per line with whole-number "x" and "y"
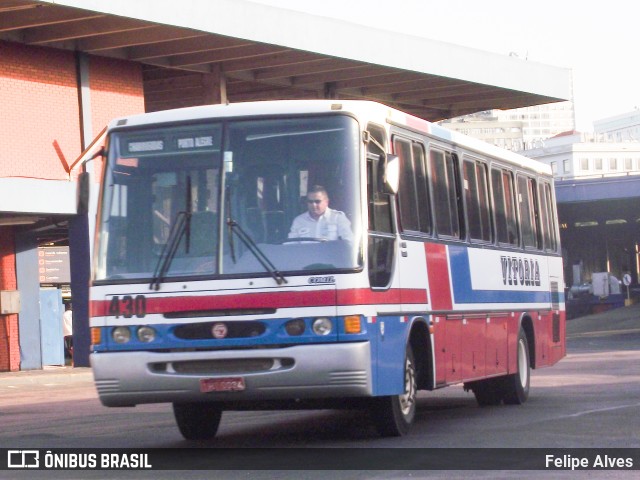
{"x": 414, "y": 219}
{"x": 389, "y": 340}
{"x": 422, "y": 265}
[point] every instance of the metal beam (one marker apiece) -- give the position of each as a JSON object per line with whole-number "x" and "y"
{"x": 74, "y": 30}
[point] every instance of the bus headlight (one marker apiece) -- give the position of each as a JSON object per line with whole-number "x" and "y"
{"x": 121, "y": 334}
{"x": 146, "y": 334}
{"x": 322, "y": 326}
{"x": 295, "y": 327}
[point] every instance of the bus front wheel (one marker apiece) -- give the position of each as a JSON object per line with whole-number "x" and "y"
{"x": 197, "y": 421}
{"x": 394, "y": 414}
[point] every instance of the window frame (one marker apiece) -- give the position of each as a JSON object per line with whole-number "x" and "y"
{"x": 504, "y": 172}
{"x": 418, "y": 198}
{"x": 453, "y": 197}
{"x": 529, "y": 226}
{"x": 478, "y": 166}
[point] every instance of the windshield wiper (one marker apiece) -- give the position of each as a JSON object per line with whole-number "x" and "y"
{"x": 255, "y": 250}
{"x": 181, "y": 225}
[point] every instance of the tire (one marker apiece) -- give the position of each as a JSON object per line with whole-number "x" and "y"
{"x": 516, "y": 386}
{"x": 393, "y": 415}
{"x": 488, "y": 392}
{"x": 197, "y": 421}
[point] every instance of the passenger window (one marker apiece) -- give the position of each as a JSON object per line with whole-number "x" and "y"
{"x": 547, "y": 217}
{"x": 528, "y": 211}
{"x": 443, "y": 172}
{"x": 413, "y": 196}
{"x": 504, "y": 206}
{"x": 477, "y": 200}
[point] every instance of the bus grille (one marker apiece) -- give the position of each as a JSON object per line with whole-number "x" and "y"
{"x": 358, "y": 377}
{"x": 226, "y": 366}
{"x": 107, "y": 386}
{"x": 204, "y": 331}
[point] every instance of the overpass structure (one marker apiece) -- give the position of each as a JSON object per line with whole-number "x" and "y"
{"x": 197, "y": 51}
{"x": 68, "y": 66}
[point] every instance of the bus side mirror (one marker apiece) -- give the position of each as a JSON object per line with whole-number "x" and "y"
{"x": 391, "y": 174}
{"x": 82, "y": 192}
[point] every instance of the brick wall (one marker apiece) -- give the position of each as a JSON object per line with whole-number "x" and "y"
{"x": 9, "y": 345}
{"x": 38, "y": 86}
{"x": 39, "y": 125}
{"x": 116, "y": 90}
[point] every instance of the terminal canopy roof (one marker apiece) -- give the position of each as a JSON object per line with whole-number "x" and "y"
{"x": 197, "y": 52}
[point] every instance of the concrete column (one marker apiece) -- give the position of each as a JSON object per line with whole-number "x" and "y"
{"x": 28, "y": 280}
{"x": 79, "y": 232}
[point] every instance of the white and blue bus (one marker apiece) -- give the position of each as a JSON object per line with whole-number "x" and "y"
{"x": 296, "y": 253}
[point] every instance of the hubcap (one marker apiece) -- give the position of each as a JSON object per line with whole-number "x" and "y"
{"x": 408, "y": 400}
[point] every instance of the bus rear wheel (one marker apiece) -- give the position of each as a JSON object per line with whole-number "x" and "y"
{"x": 394, "y": 414}
{"x": 197, "y": 421}
{"x": 516, "y": 386}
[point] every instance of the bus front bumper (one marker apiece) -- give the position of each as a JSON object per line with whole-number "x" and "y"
{"x": 317, "y": 371}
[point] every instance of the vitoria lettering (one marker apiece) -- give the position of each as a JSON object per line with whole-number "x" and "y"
{"x": 520, "y": 271}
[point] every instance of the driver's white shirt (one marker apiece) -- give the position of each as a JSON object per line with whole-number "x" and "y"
{"x": 332, "y": 225}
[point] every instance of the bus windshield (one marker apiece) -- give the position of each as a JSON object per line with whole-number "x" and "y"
{"x": 215, "y": 199}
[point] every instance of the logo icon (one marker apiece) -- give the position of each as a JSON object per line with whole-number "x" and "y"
{"x": 23, "y": 459}
{"x": 329, "y": 280}
{"x": 219, "y": 330}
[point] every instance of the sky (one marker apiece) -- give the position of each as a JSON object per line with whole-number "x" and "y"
{"x": 597, "y": 41}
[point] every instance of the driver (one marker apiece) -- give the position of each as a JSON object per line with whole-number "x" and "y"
{"x": 320, "y": 221}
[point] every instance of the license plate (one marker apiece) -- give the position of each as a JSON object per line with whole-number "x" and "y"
{"x": 228, "y": 384}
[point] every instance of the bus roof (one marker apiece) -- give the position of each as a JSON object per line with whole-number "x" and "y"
{"x": 372, "y": 111}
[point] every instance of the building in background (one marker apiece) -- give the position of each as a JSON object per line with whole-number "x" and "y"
{"x": 516, "y": 129}
{"x": 620, "y": 128}
{"x": 574, "y": 155}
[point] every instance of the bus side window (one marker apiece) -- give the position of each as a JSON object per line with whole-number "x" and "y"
{"x": 413, "y": 197}
{"x": 547, "y": 219}
{"x": 527, "y": 207}
{"x": 477, "y": 200}
{"x": 445, "y": 193}
{"x": 504, "y": 206}
{"x": 422, "y": 187}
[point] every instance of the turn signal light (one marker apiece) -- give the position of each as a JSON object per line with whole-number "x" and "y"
{"x": 352, "y": 324}
{"x": 96, "y": 336}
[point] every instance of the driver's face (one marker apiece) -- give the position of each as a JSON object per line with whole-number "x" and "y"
{"x": 317, "y": 203}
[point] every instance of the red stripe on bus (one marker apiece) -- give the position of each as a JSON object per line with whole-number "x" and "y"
{"x": 364, "y": 296}
{"x": 310, "y": 298}
{"x": 418, "y": 123}
{"x": 438, "y": 274}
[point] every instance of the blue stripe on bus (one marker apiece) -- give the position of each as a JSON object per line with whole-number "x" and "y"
{"x": 463, "y": 292}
